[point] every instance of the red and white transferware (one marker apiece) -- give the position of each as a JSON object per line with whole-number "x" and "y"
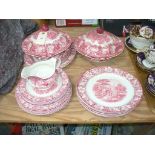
{"x": 39, "y": 109}
{"x": 43, "y": 85}
{"x": 99, "y": 45}
{"x": 109, "y": 92}
{"x": 46, "y": 43}
{"x": 50, "y": 95}
{"x": 66, "y": 57}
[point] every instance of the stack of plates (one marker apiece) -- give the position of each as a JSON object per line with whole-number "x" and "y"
{"x": 143, "y": 63}
{"x": 44, "y": 103}
{"x": 109, "y": 92}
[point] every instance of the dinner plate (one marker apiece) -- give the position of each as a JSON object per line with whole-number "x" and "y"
{"x": 44, "y": 109}
{"x": 109, "y": 90}
{"x": 104, "y": 114}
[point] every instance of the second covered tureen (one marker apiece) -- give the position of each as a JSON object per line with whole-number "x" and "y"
{"x": 99, "y": 45}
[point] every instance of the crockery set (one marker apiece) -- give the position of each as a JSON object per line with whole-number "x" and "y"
{"x": 44, "y": 87}
{"x": 142, "y": 41}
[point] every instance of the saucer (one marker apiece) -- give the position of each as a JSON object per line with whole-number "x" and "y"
{"x": 151, "y": 82}
{"x": 143, "y": 63}
{"x": 149, "y": 89}
{"x": 129, "y": 45}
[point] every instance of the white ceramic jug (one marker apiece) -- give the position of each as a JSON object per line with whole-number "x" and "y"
{"x": 42, "y": 69}
{"x": 41, "y": 74}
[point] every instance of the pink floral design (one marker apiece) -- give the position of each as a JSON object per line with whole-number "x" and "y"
{"x": 59, "y": 45}
{"x": 66, "y": 56}
{"x": 107, "y": 91}
{"x": 41, "y": 83}
{"x": 37, "y": 108}
{"x": 48, "y": 87}
{"x": 51, "y": 35}
{"x": 21, "y": 87}
{"x": 98, "y": 52}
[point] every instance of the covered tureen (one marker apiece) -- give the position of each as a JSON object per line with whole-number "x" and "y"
{"x": 99, "y": 45}
{"x": 46, "y": 43}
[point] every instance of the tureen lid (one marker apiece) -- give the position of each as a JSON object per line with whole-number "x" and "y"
{"x": 46, "y": 42}
{"x": 99, "y": 43}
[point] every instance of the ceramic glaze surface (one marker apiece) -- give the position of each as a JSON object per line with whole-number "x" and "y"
{"x": 46, "y": 44}
{"x": 101, "y": 46}
{"x": 109, "y": 89}
{"x": 66, "y": 57}
{"x": 109, "y": 92}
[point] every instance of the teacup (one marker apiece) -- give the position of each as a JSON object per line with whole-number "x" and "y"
{"x": 141, "y": 37}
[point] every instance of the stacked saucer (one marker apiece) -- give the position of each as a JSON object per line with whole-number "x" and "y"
{"x": 109, "y": 92}
{"x": 40, "y": 93}
{"x": 146, "y": 60}
{"x": 150, "y": 83}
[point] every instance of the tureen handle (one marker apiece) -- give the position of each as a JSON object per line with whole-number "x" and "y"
{"x": 100, "y": 30}
{"x": 44, "y": 27}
